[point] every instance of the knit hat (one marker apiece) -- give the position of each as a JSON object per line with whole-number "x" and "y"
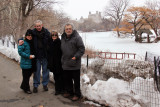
{"x": 29, "y": 32}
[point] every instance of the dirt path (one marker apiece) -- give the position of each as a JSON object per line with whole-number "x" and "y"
{"x": 12, "y": 96}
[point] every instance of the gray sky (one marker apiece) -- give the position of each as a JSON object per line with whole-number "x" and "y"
{"x": 77, "y": 8}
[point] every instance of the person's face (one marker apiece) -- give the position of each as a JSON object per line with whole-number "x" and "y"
{"x": 54, "y": 37}
{"x": 68, "y": 30}
{"x": 38, "y": 26}
{"x": 29, "y": 37}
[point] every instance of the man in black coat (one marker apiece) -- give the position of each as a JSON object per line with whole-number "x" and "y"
{"x": 40, "y": 39}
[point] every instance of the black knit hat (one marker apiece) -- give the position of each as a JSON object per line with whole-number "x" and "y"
{"x": 29, "y": 32}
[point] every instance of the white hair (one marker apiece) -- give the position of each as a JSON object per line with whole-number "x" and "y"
{"x": 67, "y": 24}
{"x": 38, "y": 21}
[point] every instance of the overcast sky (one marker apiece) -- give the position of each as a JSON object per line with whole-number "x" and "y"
{"x": 77, "y": 8}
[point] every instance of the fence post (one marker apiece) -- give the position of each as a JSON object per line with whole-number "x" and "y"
{"x": 155, "y": 70}
{"x": 87, "y": 61}
{"x": 14, "y": 45}
{"x": 7, "y": 43}
{"x": 146, "y": 56}
{"x": 122, "y": 55}
{"x": 3, "y": 42}
{"x": 116, "y": 55}
{"x": 134, "y": 56}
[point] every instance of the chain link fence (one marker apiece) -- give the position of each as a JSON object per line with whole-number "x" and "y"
{"x": 140, "y": 76}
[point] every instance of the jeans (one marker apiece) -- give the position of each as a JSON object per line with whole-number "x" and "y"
{"x": 45, "y": 73}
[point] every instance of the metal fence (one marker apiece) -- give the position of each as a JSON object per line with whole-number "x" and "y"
{"x": 7, "y": 42}
{"x": 140, "y": 76}
{"x": 115, "y": 55}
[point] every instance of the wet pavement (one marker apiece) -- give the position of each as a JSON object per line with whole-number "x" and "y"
{"x": 12, "y": 96}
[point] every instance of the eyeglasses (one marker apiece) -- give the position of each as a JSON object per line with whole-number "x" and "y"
{"x": 55, "y": 35}
{"x": 38, "y": 26}
{"x": 68, "y": 29}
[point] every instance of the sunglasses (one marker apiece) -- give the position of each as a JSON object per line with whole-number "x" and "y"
{"x": 54, "y": 35}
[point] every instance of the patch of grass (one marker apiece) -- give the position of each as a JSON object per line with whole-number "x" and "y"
{"x": 91, "y": 52}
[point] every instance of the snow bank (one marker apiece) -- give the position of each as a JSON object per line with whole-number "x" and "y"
{"x": 113, "y": 92}
{"x": 10, "y": 53}
{"x": 109, "y": 82}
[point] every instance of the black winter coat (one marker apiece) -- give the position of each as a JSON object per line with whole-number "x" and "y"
{"x": 54, "y": 56}
{"x": 41, "y": 47}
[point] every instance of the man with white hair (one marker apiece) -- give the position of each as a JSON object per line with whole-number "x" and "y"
{"x": 72, "y": 48}
{"x": 40, "y": 39}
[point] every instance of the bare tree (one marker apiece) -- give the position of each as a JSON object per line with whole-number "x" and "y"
{"x": 4, "y": 4}
{"x": 52, "y": 19}
{"x": 26, "y": 6}
{"x": 153, "y": 16}
{"x": 116, "y": 10}
{"x": 3, "y": 8}
{"x": 19, "y": 15}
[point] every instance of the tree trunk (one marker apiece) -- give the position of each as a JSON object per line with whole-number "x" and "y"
{"x": 155, "y": 31}
{"x": 118, "y": 33}
{"x": 21, "y": 29}
{"x": 136, "y": 38}
{"x": 140, "y": 38}
{"x": 23, "y": 26}
{"x": 135, "y": 34}
{"x": 148, "y": 39}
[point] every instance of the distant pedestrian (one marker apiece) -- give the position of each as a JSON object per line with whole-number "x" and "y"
{"x": 26, "y": 63}
{"x": 54, "y": 62}
{"x": 72, "y": 48}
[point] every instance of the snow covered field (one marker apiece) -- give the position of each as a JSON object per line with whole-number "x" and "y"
{"x": 114, "y": 92}
{"x": 108, "y": 42}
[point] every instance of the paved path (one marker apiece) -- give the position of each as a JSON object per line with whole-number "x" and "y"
{"x": 12, "y": 96}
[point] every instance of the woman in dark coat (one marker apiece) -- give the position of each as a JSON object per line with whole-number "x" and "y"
{"x": 54, "y": 62}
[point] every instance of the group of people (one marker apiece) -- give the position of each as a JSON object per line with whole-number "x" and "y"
{"x": 43, "y": 49}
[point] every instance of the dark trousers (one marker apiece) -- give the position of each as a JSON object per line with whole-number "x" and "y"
{"x": 26, "y": 73}
{"x": 72, "y": 82}
{"x": 59, "y": 82}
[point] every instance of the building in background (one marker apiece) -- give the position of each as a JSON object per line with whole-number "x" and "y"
{"x": 94, "y": 17}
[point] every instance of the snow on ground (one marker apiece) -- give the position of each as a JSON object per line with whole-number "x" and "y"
{"x": 132, "y": 85}
{"x": 9, "y": 51}
{"x": 108, "y": 41}
{"x": 113, "y": 91}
